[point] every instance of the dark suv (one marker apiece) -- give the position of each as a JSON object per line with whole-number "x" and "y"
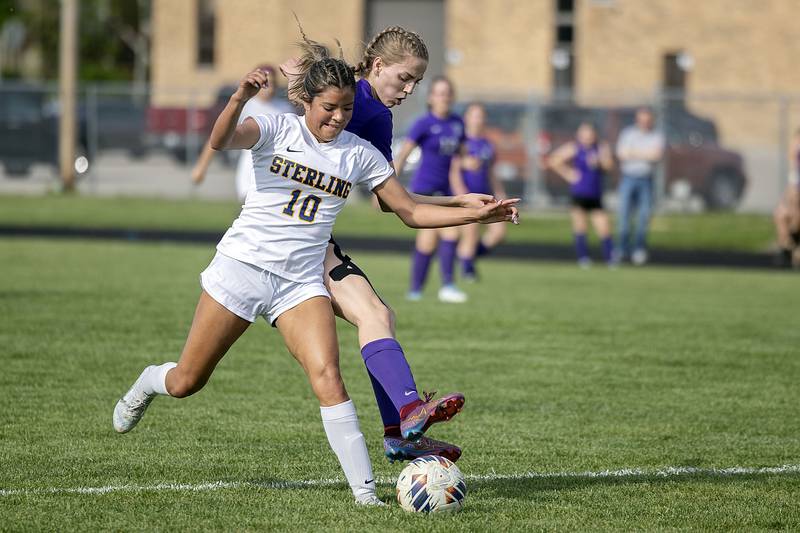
{"x": 28, "y": 130}
{"x": 29, "y": 127}
{"x": 693, "y": 155}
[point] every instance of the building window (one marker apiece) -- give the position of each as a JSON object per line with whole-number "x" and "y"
{"x": 675, "y": 67}
{"x": 562, "y": 59}
{"x": 206, "y": 26}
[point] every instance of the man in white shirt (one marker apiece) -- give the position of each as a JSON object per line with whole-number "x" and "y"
{"x": 639, "y": 149}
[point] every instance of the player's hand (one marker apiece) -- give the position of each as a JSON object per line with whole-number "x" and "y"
{"x": 473, "y": 199}
{"x": 251, "y": 84}
{"x": 573, "y": 176}
{"x": 500, "y": 211}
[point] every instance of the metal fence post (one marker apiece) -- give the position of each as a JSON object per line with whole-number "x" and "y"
{"x": 92, "y": 135}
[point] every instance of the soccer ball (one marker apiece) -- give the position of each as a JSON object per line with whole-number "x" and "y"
{"x": 431, "y": 484}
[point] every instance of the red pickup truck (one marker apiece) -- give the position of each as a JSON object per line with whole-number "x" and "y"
{"x": 183, "y": 131}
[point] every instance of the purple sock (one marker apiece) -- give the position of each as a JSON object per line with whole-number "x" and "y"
{"x": 447, "y": 260}
{"x": 468, "y": 266}
{"x": 482, "y": 249}
{"x": 419, "y": 269}
{"x": 581, "y": 247}
{"x": 387, "y": 364}
{"x": 608, "y": 249}
{"x": 389, "y": 415}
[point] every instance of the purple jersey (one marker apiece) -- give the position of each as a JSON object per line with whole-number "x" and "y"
{"x": 372, "y": 121}
{"x": 478, "y": 180}
{"x": 590, "y": 174}
{"x": 439, "y": 139}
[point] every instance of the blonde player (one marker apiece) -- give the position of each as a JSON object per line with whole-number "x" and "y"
{"x": 270, "y": 262}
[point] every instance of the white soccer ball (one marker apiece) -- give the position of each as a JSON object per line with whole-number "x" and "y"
{"x": 431, "y": 484}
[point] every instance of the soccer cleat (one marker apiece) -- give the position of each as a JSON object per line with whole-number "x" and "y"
{"x": 131, "y": 407}
{"x": 429, "y": 412}
{"x": 371, "y": 500}
{"x": 452, "y": 295}
{"x": 399, "y": 449}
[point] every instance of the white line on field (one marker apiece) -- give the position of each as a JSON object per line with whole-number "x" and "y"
{"x": 625, "y": 473}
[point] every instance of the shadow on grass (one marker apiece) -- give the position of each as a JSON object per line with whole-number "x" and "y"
{"x": 526, "y": 487}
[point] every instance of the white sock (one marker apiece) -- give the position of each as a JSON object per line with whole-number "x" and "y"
{"x": 345, "y": 437}
{"x": 154, "y": 378}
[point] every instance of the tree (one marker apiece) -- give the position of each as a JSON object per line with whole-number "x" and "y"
{"x": 119, "y": 54}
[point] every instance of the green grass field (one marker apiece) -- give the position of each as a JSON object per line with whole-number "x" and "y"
{"x": 566, "y": 373}
{"x": 710, "y": 231}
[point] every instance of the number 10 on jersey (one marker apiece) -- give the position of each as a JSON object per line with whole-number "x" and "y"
{"x": 308, "y": 209}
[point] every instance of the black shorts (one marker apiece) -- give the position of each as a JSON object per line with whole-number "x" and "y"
{"x": 587, "y": 204}
{"x": 347, "y": 267}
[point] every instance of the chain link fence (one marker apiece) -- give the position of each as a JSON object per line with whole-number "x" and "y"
{"x": 724, "y": 151}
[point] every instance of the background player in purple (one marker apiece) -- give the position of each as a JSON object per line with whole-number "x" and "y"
{"x": 440, "y": 134}
{"x": 394, "y": 62}
{"x": 473, "y": 172}
{"x": 582, "y": 162}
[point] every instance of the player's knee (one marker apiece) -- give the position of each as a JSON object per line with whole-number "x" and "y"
{"x": 327, "y": 382}
{"x": 383, "y": 315}
{"x": 376, "y": 313}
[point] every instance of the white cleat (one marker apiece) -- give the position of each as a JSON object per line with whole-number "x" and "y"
{"x": 639, "y": 257}
{"x": 371, "y": 500}
{"x": 131, "y": 407}
{"x": 452, "y": 295}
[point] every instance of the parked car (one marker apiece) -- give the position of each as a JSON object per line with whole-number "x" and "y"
{"x": 183, "y": 131}
{"x": 119, "y": 123}
{"x": 505, "y": 128}
{"x": 29, "y": 131}
{"x": 29, "y": 128}
{"x": 693, "y": 157}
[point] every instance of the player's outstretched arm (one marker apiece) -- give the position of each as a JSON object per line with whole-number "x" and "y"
{"x": 416, "y": 215}
{"x": 470, "y": 199}
{"x": 226, "y": 135}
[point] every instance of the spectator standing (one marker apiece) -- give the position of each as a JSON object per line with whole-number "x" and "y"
{"x": 640, "y": 148}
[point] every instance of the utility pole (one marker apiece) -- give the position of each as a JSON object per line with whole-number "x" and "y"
{"x": 67, "y": 74}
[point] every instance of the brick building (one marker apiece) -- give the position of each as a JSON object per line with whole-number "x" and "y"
{"x": 506, "y": 46}
{"x": 734, "y": 59}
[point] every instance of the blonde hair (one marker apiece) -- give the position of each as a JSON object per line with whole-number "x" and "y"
{"x": 318, "y": 70}
{"x": 392, "y": 45}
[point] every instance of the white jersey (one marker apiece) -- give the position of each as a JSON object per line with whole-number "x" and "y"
{"x": 301, "y": 185}
{"x": 244, "y": 167}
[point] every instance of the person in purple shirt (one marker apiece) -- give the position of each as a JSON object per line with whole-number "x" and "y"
{"x": 582, "y": 163}
{"x": 394, "y": 62}
{"x": 440, "y": 135}
{"x": 473, "y": 172}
